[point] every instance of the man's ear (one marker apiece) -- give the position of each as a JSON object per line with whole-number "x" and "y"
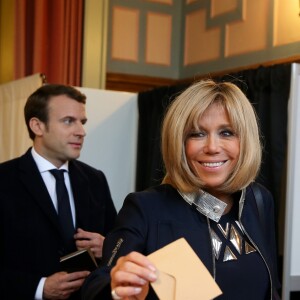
{"x": 37, "y": 126}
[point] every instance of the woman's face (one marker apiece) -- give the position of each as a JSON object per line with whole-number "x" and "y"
{"x": 213, "y": 151}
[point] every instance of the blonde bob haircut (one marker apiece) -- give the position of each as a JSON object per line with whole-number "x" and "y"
{"x": 182, "y": 118}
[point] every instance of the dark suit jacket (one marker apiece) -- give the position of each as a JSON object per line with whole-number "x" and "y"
{"x": 151, "y": 219}
{"x": 29, "y": 228}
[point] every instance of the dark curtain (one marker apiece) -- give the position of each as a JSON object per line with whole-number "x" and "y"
{"x": 152, "y": 106}
{"x": 268, "y": 90}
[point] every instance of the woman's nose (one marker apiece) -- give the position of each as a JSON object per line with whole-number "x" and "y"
{"x": 212, "y": 144}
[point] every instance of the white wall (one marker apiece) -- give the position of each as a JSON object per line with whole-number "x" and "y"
{"x": 291, "y": 270}
{"x": 111, "y": 141}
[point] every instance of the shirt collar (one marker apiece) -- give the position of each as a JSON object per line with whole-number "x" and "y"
{"x": 45, "y": 165}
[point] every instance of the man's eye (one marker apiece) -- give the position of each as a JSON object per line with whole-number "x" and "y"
{"x": 68, "y": 121}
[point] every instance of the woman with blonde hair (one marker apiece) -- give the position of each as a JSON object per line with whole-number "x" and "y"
{"x": 212, "y": 154}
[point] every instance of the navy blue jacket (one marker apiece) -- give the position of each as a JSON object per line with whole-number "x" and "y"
{"x": 29, "y": 226}
{"x": 158, "y": 216}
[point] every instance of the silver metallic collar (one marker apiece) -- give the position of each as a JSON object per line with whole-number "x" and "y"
{"x": 206, "y": 204}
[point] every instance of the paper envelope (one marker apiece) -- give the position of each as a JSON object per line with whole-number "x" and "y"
{"x": 181, "y": 274}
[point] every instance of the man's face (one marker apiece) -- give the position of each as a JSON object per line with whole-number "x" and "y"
{"x": 61, "y": 139}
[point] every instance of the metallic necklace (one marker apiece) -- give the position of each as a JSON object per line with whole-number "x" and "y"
{"x": 213, "y": 208}
{"x": 206, "y": 204}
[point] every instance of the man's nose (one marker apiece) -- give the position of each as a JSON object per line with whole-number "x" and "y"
{"x": 80, "y": 130}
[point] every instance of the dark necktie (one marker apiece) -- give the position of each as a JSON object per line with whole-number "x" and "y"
{"x": 64, "y": 209}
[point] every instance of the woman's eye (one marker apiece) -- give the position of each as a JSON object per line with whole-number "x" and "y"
{"x": 227, "y": 133}
{"x": 197, "y": 134}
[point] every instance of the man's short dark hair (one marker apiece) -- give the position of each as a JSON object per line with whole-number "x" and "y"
{"x": 37, "y": 103}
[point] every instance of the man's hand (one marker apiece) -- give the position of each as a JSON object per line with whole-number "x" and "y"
{"x": 61, "y": 285}
{"x": 92, "y": 240}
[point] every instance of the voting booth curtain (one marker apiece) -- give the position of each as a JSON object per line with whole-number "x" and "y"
{"x": 13, "y": 131}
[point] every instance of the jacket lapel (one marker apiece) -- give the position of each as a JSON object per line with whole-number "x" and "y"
{"x": 33, "y": 182}
{"x": 81, "y": 194}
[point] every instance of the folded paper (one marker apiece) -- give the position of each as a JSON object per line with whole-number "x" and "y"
{"x": 181, "y": 274}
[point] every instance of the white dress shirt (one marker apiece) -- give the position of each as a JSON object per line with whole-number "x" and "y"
{"x": 44, "y": 166}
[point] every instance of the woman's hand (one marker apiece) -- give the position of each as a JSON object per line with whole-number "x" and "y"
{"x": 92, "y": 240}
{"x": 131, "y": 276}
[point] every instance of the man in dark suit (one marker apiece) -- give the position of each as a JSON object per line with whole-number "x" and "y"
{"x": 31, "y": 234}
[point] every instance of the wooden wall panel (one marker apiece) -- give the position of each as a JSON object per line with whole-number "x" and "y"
{"x": 249, "y": 34}
{"x": 125, "y": 34}
{"x": 286, "y": 32}
{"x": 158, "y": 39}
{"x": 181, "y": 39}
{"x": 219, "y": 7}
{"x": 201, "y": 44}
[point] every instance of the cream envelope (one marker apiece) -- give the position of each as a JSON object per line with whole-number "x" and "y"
{"x": 181, "y": 274}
